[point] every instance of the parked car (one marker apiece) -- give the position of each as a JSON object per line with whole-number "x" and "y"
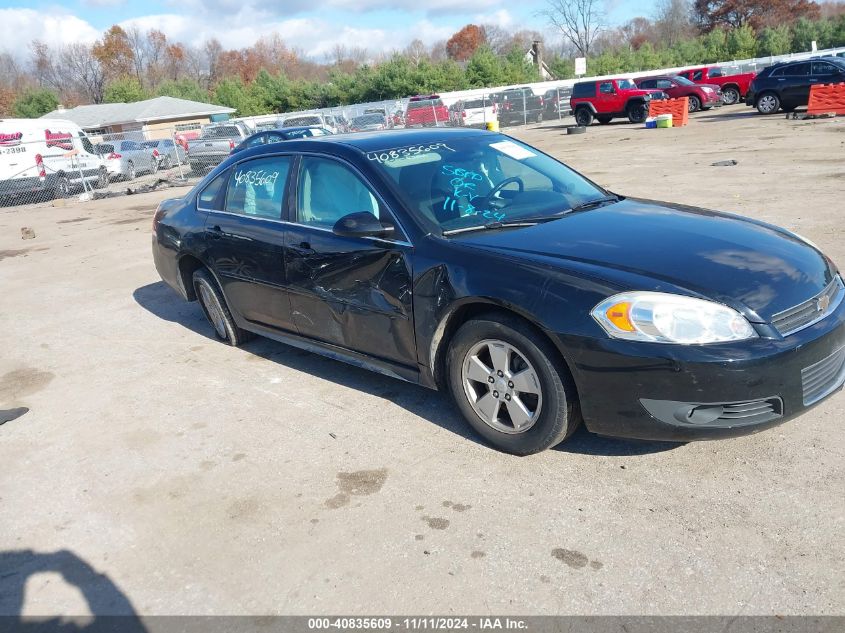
{"x": 734, "y": 86}
{"x": 398, "y": 118}
{"x": 477, "y": 112}
{"x": 699, "y": 96}
{"x": 787, "y": 85}
{"x": 367, "y": 123}
{"x": 469, "y": 261}
{"x": 518, "y": 106}
{"x": 426, "y": 111}
{"x": 310, "y": 120}
{"x": 36, "y": 159}
{"x": 607, "y": 99}
{"x": 277, "y": 136}
{"x": 126, "y": 159}
{"x": 382, "y": 112}
{"x": 215, "y": 143}
{"x": 169, "y": 153}
{"x": 556, "y": 102}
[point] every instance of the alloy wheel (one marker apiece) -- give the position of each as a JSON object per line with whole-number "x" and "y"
{"x": 502, "y": 386}
{"x": 767, "y": 104}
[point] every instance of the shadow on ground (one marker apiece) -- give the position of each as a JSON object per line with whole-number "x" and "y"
{"x": 109, "y": 606}
{"x": 160, "y": 300}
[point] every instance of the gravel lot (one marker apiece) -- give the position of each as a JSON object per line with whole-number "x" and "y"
{"x": 201, "y": 479}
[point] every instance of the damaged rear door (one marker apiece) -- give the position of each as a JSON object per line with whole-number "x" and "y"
{"x": 354, "y": 292}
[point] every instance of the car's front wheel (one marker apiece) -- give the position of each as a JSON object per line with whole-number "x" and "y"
{"x": 216, "y": 311}
{"x": 768, "y": 103}
{"x": 637, "y": 112}
{"x": 694, "y": 104}
{"x": 510, "y": 385}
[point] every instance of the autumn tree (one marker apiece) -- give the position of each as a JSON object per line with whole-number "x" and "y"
{"x": 114, "y": 53}
{"x": 579, "y": 21}
{"x": 711, "y": 14}
{"x": 464, "y": 43}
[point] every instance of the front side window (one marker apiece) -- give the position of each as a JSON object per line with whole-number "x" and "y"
{"x": 329, "y": 190}
{"x": 825, "y": 68}
{"x": 626, "y": 84}
{"x": 664, "y": 84}
{"x": 257, "y": 187}
{"x": 208, "y": 195}
{"x": 473, "y": 181}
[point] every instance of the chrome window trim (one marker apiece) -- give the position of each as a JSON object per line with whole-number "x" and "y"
{"x": 834, "y": 304}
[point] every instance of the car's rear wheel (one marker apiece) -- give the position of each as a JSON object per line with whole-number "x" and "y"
{"x": 693, "y": 103}
{"x": 102, "y": 178}
{"x": 583, "y": 117}
{"x": 62, "y": 188}
{"x": 604, "y": 120}
{"x": 730, "y": 96}
{"x": 130, "y": 171}
{"x": 637, "y": 112}
{"x": 510, "y": 385}
{"x": 166, "y": 163}
{"x": 216, "y": 311}
{"x": 768, "y": 103}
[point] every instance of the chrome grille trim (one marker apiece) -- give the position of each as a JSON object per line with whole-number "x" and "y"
{"x": 805, "y": 314}
{"x": 821, "y": 379}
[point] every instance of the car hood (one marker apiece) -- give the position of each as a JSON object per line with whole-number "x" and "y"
{"x": 643, "y": 245}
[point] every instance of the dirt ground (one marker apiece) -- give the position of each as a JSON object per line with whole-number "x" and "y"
{"x": 162, "y": 472}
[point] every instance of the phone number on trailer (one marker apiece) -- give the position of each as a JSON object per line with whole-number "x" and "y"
{"x": 417, "y": 624}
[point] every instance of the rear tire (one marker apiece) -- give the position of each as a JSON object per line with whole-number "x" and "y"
{"x": 583, "y": 117}
{"x": 730, "y": 96}
{"x": 154, "y": 166}
{"x": 62, "y": 189}
{"x": 506, "y": 350}
{"x": 130, "y": 171}
{"x": 216, "y": 311}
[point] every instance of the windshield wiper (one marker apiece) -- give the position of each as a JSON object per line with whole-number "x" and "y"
{"x": 490, "y": 226}
{"x": 591, "y": 204}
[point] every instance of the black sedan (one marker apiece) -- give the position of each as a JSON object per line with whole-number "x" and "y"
{"x": 278, "y": 135}
{"x": 469, "y": 261}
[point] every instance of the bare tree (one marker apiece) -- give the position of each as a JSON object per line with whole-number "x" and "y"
{"x": 673, "y": 20}
{"x": 213, "y": 50}
{"x": 498, "y": 39}
{"x": 79, "y": 68}
{"x": 580, "y": 21}
{"x": 416, "y": 51}
{"x": 140, "y": 51}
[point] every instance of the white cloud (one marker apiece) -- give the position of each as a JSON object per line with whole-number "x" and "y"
{"x": 21, "y": 26}
{"x": 501, "y": 18}
{"x": 316, "y": 37}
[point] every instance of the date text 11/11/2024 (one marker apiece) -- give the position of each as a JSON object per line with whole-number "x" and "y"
{"x": 431, "y": 623}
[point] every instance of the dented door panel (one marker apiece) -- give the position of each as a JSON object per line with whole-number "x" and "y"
{"x": 352, "y": 292}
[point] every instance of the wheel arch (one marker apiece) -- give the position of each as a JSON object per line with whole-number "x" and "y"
{"x": 474, "y": 307}
{"x": 188, "y": 264}
{"x": 585, "y": 104}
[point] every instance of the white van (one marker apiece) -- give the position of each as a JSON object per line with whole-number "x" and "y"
{"x": 52, "y": 157}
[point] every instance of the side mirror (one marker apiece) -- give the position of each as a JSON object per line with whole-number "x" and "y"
{"x": 361, "y": 224}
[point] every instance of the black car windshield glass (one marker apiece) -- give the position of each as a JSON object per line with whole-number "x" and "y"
{"x": 476, "y": 181}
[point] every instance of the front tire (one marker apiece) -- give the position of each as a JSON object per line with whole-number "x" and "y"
{"x": 510, "y": 385}
{"x": 216, "y": 311}
{"x": 694, "y": 104}
{"x": 637, "y": 112}
{"x": 768, "y": 103}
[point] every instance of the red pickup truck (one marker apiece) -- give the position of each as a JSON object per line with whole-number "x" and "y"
{"x": 426, "y": 111}
{"x": 734, "y": 86}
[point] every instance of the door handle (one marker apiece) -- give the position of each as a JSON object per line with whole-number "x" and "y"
{"x": 304, "y": 247}
{"x": 215, "y": 232}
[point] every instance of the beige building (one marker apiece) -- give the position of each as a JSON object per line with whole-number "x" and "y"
{"x": 162, "y": 117}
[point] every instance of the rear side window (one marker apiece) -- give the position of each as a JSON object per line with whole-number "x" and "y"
{"x": 584, "y": 89}
{"x": 208, "y": 195}
{"x": 606, "y": 87}
{"x": 698, "y": 75}
{"x": 257, "y": 187}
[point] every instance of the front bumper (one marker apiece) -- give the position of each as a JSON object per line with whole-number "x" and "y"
{"x": 637, "y": 390}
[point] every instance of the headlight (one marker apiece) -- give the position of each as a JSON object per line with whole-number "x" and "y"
{"x": 658, "y": 317}
{"x": 707, "y": 90}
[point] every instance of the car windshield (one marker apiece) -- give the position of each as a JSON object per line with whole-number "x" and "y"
{"x": 302, "y": 120}
{"x": 368, "y": 119}
{"x": 468, "y": 182}
{"x": 683, "y": 81}
{"x": 625, "y": 84}
{"x": 223, "y": 131}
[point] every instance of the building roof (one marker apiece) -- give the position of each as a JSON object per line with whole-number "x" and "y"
{"x": 158, "y": 109}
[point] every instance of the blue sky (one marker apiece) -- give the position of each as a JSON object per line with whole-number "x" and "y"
{"x": 315, "y": 26}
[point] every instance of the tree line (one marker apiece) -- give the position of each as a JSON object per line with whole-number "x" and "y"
{"x": 127, "y": 65}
